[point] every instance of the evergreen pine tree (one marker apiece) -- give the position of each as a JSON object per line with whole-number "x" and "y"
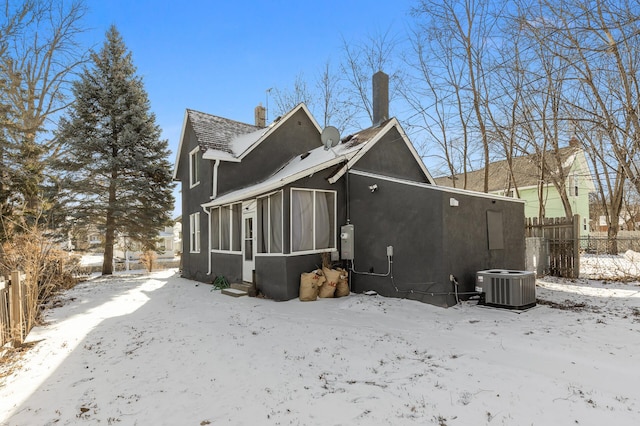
{"x": 116, "y": 170}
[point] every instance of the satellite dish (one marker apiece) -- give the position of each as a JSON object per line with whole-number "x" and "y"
{"x": 330, "y": 137}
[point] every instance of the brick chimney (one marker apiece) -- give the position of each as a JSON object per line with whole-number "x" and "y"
{"x": 380, "y": 82}
{"x": 260, "y": 113}
{"x": 574, "y": 142}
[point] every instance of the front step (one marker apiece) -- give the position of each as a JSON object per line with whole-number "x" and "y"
{"x": 234, "y": 292}
{"x": 240, "y": 289}
{"x": 250, "y": 288}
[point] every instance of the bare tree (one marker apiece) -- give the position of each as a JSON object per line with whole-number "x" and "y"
{"x": 344, "y": 99}
{"x": 598, "y": 43}
{"x": 331, "y": 102}
{"x": 539, "y": 115}
{"x": 434, "y": 90}
{"x": 39, "y": 60}
{"x": 461, "y": 34}
{"x": 287, "y": 99}
{"x": 361, "y": 60}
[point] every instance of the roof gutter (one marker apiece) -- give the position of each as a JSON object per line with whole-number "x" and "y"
{"x": 259, "y": 189}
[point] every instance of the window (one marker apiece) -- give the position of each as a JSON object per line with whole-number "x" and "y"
{"x": 313, "y": 220}
{"x": 194, "y": 232}
{"x": 194, "y": 167}
{"x": 226, "y": 222}
{"x": 573, "y": 185}
{"x": 270, "y": 223}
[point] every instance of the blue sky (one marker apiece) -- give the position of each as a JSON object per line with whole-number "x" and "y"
{"x": 220, "y": 57}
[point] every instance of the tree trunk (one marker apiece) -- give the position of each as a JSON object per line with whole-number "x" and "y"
{"x": 107, "y": 263}
{"x": 612, "y": 239}
{"x": 109, "y": 238}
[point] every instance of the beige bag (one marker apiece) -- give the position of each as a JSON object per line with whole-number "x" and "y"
{"x": 342, "y": 288}
{"x": 329, "y": 287}
{"x": 310, "y": 282}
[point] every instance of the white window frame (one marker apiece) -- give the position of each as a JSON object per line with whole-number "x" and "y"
{"x": 268, "y": 198}
{"x": 194, "y": 167}
{"x": 335, "y": 222}
{"x": 232, "y": 231}
{"x": 194, "y": 233}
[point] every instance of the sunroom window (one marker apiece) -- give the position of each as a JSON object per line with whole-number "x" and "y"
{"x": 313, "y": 220}
{"x": 226, "y": 223}
{"x": 270, "y": 223}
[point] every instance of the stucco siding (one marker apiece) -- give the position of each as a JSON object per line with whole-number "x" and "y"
{"x": 296, "y": 136}
{"x": 390, "y": 156}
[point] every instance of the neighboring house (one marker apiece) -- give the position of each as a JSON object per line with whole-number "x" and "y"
{"x": 626, "y": 222}
{"x": 261, "y": 204}
{"x": 83, "y": 239}
{"x": 177, "y": 236}
{"x": 166, "y": 245}
{"x": 526, "y": 176}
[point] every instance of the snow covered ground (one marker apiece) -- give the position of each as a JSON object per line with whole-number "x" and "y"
{"x": 161, "y": 350}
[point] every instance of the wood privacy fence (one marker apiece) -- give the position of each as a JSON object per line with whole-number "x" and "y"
{"x": 13, "y": 308}
{"x": 561, "y": 237}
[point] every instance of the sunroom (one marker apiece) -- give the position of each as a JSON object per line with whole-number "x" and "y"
{"x": 272, "y": 231}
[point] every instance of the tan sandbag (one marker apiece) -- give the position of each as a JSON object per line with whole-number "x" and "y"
{"x": 310, "y": 282}
{"x": 329, "y": 287}
{"x": 342, "y": 287}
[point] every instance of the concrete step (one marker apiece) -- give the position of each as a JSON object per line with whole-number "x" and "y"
{"x": 244, "y": 286}
{"x": 234, "y": 292}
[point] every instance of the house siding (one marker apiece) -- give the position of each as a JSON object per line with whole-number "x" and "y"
{"x": 466, "y": 246}
{"x": 194, "y": 265}
{"x": 390, "y": 156}
{"x": 228, "y": 265}
{"x": 429, "y": 238}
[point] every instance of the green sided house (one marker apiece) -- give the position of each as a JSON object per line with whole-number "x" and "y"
{"x": 524, "y": 181}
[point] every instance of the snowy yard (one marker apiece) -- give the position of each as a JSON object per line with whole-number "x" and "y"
{"x": 161, "y": 350}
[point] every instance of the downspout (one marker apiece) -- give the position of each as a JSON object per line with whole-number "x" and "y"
{"x": 348, "y": 195}
{"x": 208, "y": 212}
{"x": 214, "y": 189}
{"x": 214, "y": 194}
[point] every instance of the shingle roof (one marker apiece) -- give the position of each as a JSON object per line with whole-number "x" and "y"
{"x": 213, "y": 132}
{"x": 363, "y": 136}
{"x": 525, "y": 172}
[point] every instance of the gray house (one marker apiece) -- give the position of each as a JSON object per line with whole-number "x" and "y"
{"x": 261, "y": 204}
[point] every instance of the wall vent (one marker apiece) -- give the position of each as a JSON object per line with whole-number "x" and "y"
{"x": 507, "y": 289}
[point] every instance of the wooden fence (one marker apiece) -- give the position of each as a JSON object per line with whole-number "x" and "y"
{"x": 13, "y": 298}
{"x": 561, "y": 236}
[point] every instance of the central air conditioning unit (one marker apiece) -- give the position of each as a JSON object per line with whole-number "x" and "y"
{"x": 507, "y": 289}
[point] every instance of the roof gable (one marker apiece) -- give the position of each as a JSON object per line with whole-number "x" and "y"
{"x": 369, "y": 137}
{"x": 241, "y": 144}
{"x": 229, "y": 140}
{"x": 347, "y": 153}
{"x": 211, "y": 132}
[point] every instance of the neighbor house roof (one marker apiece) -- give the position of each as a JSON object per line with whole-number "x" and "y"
{"x": 526, "y": 172}
{"x": 347, "y": 152}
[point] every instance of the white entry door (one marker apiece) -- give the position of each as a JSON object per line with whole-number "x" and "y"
{"x": 248, "y": 240}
